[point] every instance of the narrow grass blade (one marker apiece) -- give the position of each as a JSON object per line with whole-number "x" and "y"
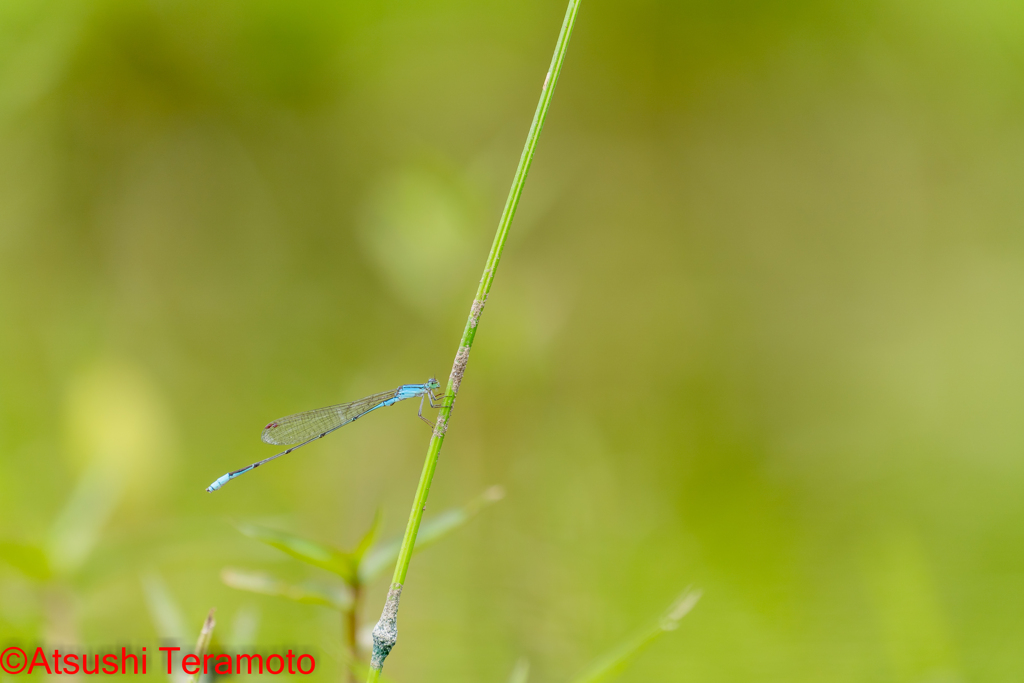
{"x": 166, "y": 615}
{"x": 163, "y": 608}
{"x": 521, "y": 673}
{"x": 203, "y": 644}
{"x": 366, "y": 542}
{"x": 432, "y": 530}
{"x": 244, "y": 627}
{"x": 310, "y": 552}
{"x": 77, "y": 529}
{"x": 613, "y": 663}
{"x": 309, "y": 592}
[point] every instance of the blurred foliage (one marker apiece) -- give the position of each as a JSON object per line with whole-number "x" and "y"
{"x": 367, "y": 560}
{"x": 337, "y": 561}
{"x": 757, "y": 326}
{"x": 356, "y": 569}
{"x": 375, "y": 559}
{"x": 612, "y": 664}
{"x": 308, "y": 592}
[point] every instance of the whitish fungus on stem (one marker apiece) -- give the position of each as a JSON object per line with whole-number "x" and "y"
{"x": 385, "y": 633}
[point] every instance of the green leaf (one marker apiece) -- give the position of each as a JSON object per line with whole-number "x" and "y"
{"x": 613, "y": 663}
{"x": 381, "y": 557}
{"x": 369, "y": 537}
{"x": 29, "y": 559}
{"x": 341, "y": 563}
{"x": 309, "y": 592}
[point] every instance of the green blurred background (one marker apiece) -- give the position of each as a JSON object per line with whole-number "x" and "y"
{"x": 758, "y": 327}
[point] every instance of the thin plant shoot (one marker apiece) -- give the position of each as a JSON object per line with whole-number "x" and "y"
{"x": 385, "y": 633}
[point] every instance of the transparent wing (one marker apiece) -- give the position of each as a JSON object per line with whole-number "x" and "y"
{"x": 304, "y": 426}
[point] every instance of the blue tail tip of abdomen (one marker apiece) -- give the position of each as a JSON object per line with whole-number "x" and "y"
{"x": 217, "y": 484}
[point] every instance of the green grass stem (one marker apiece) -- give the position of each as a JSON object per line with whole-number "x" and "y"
{"x": 385, "y": 633}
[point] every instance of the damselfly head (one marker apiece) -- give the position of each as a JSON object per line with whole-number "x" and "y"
{"x": 432, "y": 384}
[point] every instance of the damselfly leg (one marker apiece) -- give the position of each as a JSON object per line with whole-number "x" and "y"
{"x": 435, "y": 402}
